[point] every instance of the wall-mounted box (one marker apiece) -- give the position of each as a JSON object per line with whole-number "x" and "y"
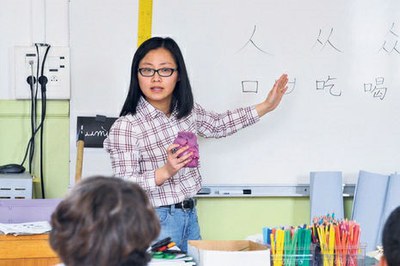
{"x": 15, "y": 186}
{"x": 56, "y": 69}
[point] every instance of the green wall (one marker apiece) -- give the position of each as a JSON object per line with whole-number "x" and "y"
{"x": 220, "y": 218}
{"x": 15, "y": 133}
{"x": 237, "y": 218}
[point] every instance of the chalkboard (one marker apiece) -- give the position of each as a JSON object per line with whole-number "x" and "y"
{"x": 341, "y": 112}
{"x": 95, "y": 129}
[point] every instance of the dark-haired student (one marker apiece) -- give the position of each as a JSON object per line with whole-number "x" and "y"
{"x": 160, "y": 104}
{"x": 104, "y": 221}
{"x": 391, "y": 240}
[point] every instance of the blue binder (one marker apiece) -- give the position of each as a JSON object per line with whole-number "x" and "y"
{"x": 392, "y": 201}
{"x": 326, "y": 194}
{"x": 368, "y": 205}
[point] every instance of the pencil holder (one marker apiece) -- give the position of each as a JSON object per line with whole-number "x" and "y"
{"x": 292, "y": 260}
{"x": 341, "y": 256}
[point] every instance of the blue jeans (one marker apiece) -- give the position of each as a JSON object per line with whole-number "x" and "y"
{"x": 181, "y": 225}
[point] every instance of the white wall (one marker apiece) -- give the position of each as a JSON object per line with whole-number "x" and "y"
{"x": 103, "y": 41}
{"x": 23, "y": 23}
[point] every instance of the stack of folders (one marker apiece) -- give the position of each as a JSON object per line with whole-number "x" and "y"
{"x": 166, "y": 253}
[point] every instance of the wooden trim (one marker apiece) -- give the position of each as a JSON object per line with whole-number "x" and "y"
{"x": 26, "y": 250}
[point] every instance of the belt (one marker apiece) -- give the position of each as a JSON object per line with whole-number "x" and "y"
{"x": 187, "y": 204}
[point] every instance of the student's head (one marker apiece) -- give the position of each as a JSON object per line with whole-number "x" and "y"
{"x": 159, "y": 53}
{"x": 104, "y": 221}
{"x": 391, "y": 239}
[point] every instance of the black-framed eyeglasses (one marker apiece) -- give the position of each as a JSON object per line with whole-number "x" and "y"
{"x": 162, "y": 72}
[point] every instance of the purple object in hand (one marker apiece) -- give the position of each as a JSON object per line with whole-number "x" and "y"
{"x": 188, "y": 138}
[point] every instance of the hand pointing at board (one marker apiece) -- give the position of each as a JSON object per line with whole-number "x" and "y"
{"x": 274, "y": 96}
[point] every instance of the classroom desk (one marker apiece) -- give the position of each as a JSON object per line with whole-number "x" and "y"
{"x": 33, "y": 250}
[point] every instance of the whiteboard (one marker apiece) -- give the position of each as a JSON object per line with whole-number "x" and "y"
{"x": 342, "y": 110}
{"x": 328, "y": 48}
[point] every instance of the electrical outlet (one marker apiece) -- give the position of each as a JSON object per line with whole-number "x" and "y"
{"x": 56, "y": 69}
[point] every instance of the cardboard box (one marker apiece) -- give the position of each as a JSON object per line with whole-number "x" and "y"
{"x": 228, "y": 253}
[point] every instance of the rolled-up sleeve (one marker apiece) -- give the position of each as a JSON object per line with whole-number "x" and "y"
{"x": 218, "y": 125}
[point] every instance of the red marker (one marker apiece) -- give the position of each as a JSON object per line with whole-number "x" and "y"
{"x": 162, "y": 248}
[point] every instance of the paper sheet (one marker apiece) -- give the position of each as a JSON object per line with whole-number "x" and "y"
{"x": 32, "y": 228}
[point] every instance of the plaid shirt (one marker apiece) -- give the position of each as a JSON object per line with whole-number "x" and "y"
{"x": 138, "y": 146}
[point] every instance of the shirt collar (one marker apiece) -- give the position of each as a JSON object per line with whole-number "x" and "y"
{"x": 149, "y": 110}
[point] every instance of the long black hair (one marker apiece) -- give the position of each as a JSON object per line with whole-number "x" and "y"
{"x": 182, "y": 96}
